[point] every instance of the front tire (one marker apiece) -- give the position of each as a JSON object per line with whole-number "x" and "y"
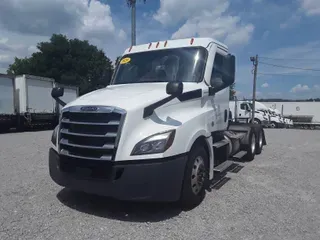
{"x": 195, "y": 178}
{"x": 273, "y": 125}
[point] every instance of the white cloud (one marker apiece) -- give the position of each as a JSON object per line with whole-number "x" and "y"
{"x": 24, "y": 25}
{"x": 300, "y": 88}
{"x": 265, "y": 34}
{"x": 291, "y": 22}
{"x": 311, "y": 7}
{"x": 265, "y": 85}
{"x": 199, "y": 18}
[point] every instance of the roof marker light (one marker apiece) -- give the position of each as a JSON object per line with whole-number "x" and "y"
{"x": 150, "y": 45}
{"x": 165, "y": 44}
{"x": 157, "y": 45}
{"x": 191, "y": 41}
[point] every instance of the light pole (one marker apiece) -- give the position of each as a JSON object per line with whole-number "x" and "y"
{"x": 254, "y": 60}
{"x": 133, "y": 22}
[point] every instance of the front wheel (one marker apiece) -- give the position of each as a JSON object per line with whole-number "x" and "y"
{"x": 195, "y": 178}
{"x": 273, "y": 125}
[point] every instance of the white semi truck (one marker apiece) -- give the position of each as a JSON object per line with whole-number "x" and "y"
{"x": 242, "y": 111}
{"x": 160, "y": 131}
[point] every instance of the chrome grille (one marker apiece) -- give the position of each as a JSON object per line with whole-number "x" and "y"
{"x": 92, "y": 135}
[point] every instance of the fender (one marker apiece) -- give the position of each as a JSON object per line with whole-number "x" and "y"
{"x": 208, "y": 140}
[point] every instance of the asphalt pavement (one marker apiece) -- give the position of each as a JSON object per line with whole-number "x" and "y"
{"x": 276, "y": 196}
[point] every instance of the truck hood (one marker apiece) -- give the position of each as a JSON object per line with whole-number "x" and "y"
{"x": 128, "y": 96}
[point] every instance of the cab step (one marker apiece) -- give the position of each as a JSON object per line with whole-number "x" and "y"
{"x": 223, "y": 166}
{"x": 239, "y": 155}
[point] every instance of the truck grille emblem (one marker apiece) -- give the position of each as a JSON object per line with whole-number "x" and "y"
{"x": 89, "y": 108}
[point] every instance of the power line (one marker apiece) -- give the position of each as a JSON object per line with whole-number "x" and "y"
{"x": 297, "y": 59}
{"x": 283, "y": 66}
{"x": 289, "y": 75}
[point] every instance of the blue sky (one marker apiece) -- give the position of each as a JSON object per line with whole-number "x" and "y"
{"x": 281, "y": 32}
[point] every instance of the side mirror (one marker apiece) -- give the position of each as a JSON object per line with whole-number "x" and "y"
{"x": 57, "y": 92}
{"x": 216, "y": 84}
{"x": 174, "y": 88}
{"x": 217, "y": 81}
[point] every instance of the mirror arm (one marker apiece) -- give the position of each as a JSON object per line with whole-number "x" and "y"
{"x": 214, "y": 90}
{"x": 62, "y": 103}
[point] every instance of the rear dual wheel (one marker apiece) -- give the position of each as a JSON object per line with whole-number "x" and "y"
{"x": 255, "y": 144}
{"x": 259, "y": 142}
{"x": 251, "y": 147}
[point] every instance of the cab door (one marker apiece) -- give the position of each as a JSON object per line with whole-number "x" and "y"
{"x": 221, "y": 73}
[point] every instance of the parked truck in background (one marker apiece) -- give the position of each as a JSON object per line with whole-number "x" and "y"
{"x": 26, "y": 102}
{"x": 305, "y": 115}
{"x": 242, "y": 111}
{"x": 34, "y": 102}
{"x": 160, "y": 131}
{"x": 8, "y": 115}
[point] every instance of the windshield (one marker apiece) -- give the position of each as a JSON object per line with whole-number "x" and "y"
{"x": 176, "y": 65}
{"x": 250, "y": 106}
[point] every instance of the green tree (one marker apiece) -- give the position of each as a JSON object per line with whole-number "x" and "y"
{"x": 68, "y": 61}
{"x": 132, "y": 5}
{"x": 232, "y": 92}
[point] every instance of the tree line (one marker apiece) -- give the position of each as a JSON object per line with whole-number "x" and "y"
{"x": 68, "y": 61}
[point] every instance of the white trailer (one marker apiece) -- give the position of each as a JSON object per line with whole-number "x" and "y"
{"x": 34, "y": 102}
{"x": 302, "y": 114}
{"x": 7, "y": 102}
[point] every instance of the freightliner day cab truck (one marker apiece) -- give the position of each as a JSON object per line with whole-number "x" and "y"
{"x": 160, "y": 131}
{"x": 242, "y": 111}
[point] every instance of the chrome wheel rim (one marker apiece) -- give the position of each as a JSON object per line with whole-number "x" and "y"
{"x": 197, "y": 175}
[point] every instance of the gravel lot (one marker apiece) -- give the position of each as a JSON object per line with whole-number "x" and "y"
{"x": 274, "y": 197}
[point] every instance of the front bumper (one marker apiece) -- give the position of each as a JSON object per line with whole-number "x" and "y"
{"x": 147, "y": 180}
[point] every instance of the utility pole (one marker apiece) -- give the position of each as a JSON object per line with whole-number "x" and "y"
{"x": 254, "y": 60}
{"x": 133, "y": 23}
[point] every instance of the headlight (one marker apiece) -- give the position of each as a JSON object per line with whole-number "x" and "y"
{"x": 157, "y": 143}
{"x": 54, "y": 135}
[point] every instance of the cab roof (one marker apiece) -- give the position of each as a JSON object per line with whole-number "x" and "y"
{"x": 176, "y": 43}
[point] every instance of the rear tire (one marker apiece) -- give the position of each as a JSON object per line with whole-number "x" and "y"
{"x": 256, "y": 121}
{"x": 259, "y": 142}
{"x": 251, "y": 147}
{"x": 195, "y": 179}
